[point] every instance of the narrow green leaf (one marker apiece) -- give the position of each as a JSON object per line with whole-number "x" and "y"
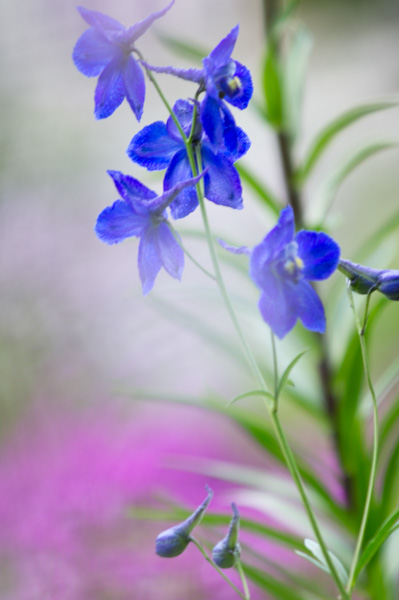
{"x": 272, "y": 88}
{"x": 329, "y": 132}
{"x": 329, "y": 189}
{"x": 251, "y": 394}
{"x": 276, "y": 588}
{"x": 284, "y": 378}
{"x": 316, "y": 550}
{"x": 386, "y": 529}
{"x": 263, "y": 193}
{"x": 294, "y": 79}
{"x": 182, "y": 48}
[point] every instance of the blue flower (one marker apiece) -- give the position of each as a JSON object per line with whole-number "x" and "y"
{"x": 226, "y": 552}
{"x": 105, "y": 50}
{"x": 365, "y": 280}
{"x": 141, "y": 213}
{"x": 160, "y": 146}
{"x": 223, "y": 80}
{"x": 282, "y": 265}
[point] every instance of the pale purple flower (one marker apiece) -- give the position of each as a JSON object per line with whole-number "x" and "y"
{"x": 105, "y": 50}
{"x": 141, "y": 213}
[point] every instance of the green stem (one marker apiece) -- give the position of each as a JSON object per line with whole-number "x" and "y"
{"x": 208, "y": 558}
{"x": 240, "y": 570}
{"x": 189, "y": 255}
{"x": 196, "y": 167}
{"x": 373, "y": 470}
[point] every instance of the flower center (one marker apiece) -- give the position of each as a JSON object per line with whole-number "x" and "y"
{"x": 290, "y": 264}
{"x": 230, "y": 86}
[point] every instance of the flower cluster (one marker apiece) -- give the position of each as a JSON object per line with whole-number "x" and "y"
{"x": 199, "y": 137}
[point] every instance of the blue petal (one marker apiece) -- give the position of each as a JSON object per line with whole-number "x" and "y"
{"x": 242, "y": 99}
{"x": 196, "y": 75}
{"x": 133, "y": 78}
{"x": 178, "y": 171}
{"x": 243, "y": 145}
{"x": 274, "y": 242}
{"x": 319, "y": 252}
{"x": 149, "y": 261}
{"x": 183, "y": 110}
{"x": 212, "y": 120}
{"x": 221, "y": 54}
{"x": 133, "y": 192}
{"x": 118, "y": 222}
{"x": 309, "y": 307}
{"x": 99, "y": 20}
{"x": 278, "y": 306}
{"x": 170, "y": 253}
{"x": 152, "y": 147}
{"x": 138, "y": 29}
{"x": 110, "y": 90}
{"x": 92, "y": 53}
{"x": 222, "y": 182}
{"x": 230, "y": 135}
{"x": 235, "y": 249}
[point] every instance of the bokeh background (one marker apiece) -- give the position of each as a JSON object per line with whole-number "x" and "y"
{"x": 78, "y": 444}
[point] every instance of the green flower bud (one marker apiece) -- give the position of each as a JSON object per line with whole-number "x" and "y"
{"x": 175, "y": 540}
{"x": 226, "y": 552}
{"x": 365, "y": 280}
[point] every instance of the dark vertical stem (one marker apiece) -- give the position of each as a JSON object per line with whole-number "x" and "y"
{"x": 288, "y": 170}
{"x": 271, "y": 8}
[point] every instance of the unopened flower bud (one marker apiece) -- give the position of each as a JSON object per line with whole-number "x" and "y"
{"x": 175, "y": 540}
{"x": 365, "y": 280}
{"x": 226, "y": 553}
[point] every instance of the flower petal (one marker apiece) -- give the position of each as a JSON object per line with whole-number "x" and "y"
{"x": 92, "y": 53}
{"x": 235, "y": 249}
{"x": 319, "y": 252}
{"x": 242, "y": 99}
{"x": 138, "y": 29}
{"x": 170, "y": 253}
{"x": 211, "y": 120}
{"x": 222, "y": 52}
{"x": 183, "y": 110}
{"x": 195, "y": 75}
{"x": 133, "y": 192}
{"x": 118, "y": 222}
{"x": 222, "y": 182}
{"x": 133, "y": 78}
{"x": 99, "y": 20}
{"x": 110, "y": 90}
{"x": 178, "y": 171}
{"x": 149, "y": 261}
{"x": 309, "y": 307}
{"x": 278, "y": 306}
{"x": 152, "y": 147}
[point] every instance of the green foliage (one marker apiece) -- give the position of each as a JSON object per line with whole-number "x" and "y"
{"x": 329, "y": 133}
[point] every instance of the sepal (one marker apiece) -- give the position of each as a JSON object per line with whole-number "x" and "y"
{"x": 226, "y": 552}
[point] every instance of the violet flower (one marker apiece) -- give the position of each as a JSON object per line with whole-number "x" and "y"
{"x": 282, "y": 266}
{"x": 141, "y": 213}
{"x": 160, "y": 146}
{"x": 105, "y": 50}
{"x": 223, "y": 80}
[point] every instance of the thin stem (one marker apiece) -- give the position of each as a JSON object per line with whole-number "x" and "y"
{"x": 373, "y": 470}
{"x": 189, "y": 255}
{"x": 244, "y": 582}
{"x": 292, "y": 466}
{"x": 247, "y": 351}
{"x": 275, "y": 369}
{"x": 208, "y": 558}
